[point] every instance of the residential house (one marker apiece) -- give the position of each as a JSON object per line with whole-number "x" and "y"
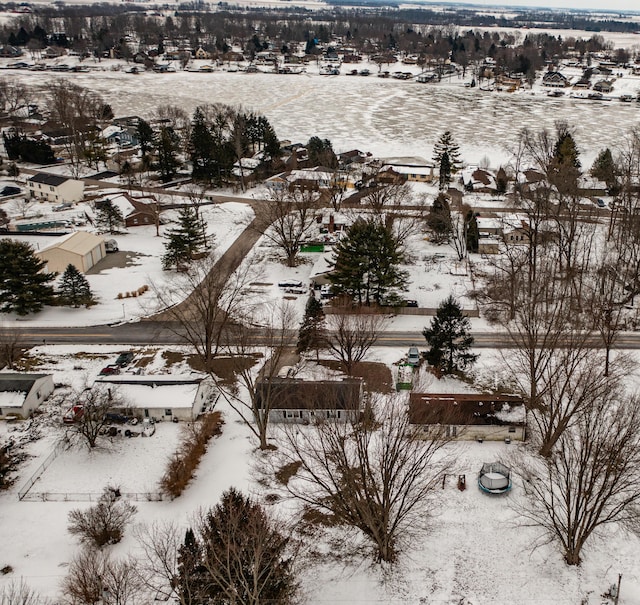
{"x": 122, "y": 136}
{"x": 322, "y": 268}
{"x": 135, "y": 211}
{"x": 415, "y": 169}
{"x": 305, "y": 401}
{"x": 10, "y": 52}
{"x": 201, "y": 53}
{"x": 22, "y": 394}
{"x": 81, "y": 249}
{"x": 55, "y": 188}
{"x": 478, "y": 180}
{"x": 508, "y": 82}
{"x": 163, "y": 396}
{"x": 603, "y": 86}
{"x": 554, "y": 79}
{"x": 469, "y": 416}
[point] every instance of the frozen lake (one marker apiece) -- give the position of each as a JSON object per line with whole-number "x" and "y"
{"x": 385, "y": 116}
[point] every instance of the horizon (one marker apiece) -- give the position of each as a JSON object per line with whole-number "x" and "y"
{"x": 629, "y": 7}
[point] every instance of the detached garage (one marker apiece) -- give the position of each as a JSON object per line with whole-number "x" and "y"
{"x": 22, "y": 394}
{"x": 81, "y": 249}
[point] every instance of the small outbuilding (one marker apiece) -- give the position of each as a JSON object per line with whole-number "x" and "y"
{"x": 55, "y": 188}
{"x": 81, "y": 249}
{"x": 22, "y": 394}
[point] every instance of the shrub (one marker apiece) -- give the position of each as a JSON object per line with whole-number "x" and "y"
{"x": 185, "y": 460}
{"x": 103, "y": 523}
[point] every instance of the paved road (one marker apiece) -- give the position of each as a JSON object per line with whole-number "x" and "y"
{"x": 150, "y": 332}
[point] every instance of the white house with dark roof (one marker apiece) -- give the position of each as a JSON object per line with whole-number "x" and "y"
{"x": 55, "y": 188}
{"x": 164, "y": 396}
{"x": 22, "y": 394}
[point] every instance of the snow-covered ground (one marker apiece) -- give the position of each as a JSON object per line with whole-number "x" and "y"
{"x": 476, "y": 551}
{"x": 143, "y": 266}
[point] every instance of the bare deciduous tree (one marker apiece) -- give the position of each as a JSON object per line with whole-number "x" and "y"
{"x": 377, "y": 480}
{"x": 158, "y": 566}
{"x": 11, "y": 346}
{"x": 351, "y": 332}
{"x": 103, "y": 523}
{"x": 94, "y": 577}
{"x": 93, "y": 402}
{"x": 274, "y": 339}
{"x": 591, "y": 479}
{"x": 287, "y": 218}
{"x": 203, "y": 301}
{"x": 19, "y": 593}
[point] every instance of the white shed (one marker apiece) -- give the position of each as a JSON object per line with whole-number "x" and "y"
{"x": 81, "y": 249}
{"x": 22, "y": 394}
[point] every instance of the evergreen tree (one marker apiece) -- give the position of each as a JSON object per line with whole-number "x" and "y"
{"x": 74, "y": 288}
{"x": 605, "y": 169}
{"x": 109, "y": 217}
{"x": 24, "y": 285}
{"x": 366, "y": 263}
{"x": 446, "y": 144}
{"x": 445, "y": 171}
{"x": 168, "y": 147}
{"x": 449, "y": 339}
{"x": 472, "y": 233}
{"x": 239, "y": 556}
{"x": 439, "y": 218}
{"x": 145, "y": 136}
{"x": 186, "y": 240}
{"x": 311, "y": 334}
{"x": 564, "y": 168}
{"x": 321, "y": 153}
{"x": 201, "y": 145}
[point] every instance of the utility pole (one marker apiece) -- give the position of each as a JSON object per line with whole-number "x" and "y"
{"x": 615, "y": 602}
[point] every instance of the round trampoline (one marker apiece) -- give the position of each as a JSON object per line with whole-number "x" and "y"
{"x": 494, "y": 478}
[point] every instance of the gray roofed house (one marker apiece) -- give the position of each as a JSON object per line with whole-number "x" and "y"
{"x": 311, "y": 400}
{"x": 22, "y": 394}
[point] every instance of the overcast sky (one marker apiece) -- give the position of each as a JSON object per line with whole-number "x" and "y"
{"x": 609, "y": 5}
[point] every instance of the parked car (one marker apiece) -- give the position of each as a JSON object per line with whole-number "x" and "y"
{"x": 63, "y": 206}
{"x": 290, "y": 283}
{"x": 124, "y": 359}
{"x": 73, "y": 414}
{"x": 111, "y": 245}
{"x": 413, "y": 357}
{"x": 110, "y": 370}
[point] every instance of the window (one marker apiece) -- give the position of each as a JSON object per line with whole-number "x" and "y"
{"x": 38, "y": 394}
{"x": 168, "y": 412}
{"x": 512, "y": 429}
{"x": 293, "y": 414}
{"x": 51, "y": 188}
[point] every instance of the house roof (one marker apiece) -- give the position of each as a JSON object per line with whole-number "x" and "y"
{"x": 292, "y": 394}
{"x": 48, "y": 179}
{"x": 14, "y": 388}
{"x": 152, "y": 379}
{"x": 465, "y": 409}
{"x": 78, "y": 242}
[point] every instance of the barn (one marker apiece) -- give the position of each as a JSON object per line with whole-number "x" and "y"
{"x": 81, "y": 249}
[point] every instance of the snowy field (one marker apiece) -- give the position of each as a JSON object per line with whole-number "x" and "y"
{"x": 143, "y": 266}
{"x": 475, "y": 553}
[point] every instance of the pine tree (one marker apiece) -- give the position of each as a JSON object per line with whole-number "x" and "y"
{"x": 605, "y": 169}
{"x": 109, "y": 217}
{"x": 24, "y": 285}
{"x": 449, "y": 339}
{"x": 472, "y": 233}
{"x": 145, "y": 135}
{"x": 201, "y": 148}
{"x": 564, "y": 168}
{"x": 447, "y": 144}
{"x": 239, "y": 556}
{"x": 311, "y": 334}
{"x": 168, "y": 146}
{"x": 445, "y": 171}
{"x": 74, "y": 288}
{"x": 186, "y": 240}
{"x": 439, "y": 218}
{"x": 366, "y": 263}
